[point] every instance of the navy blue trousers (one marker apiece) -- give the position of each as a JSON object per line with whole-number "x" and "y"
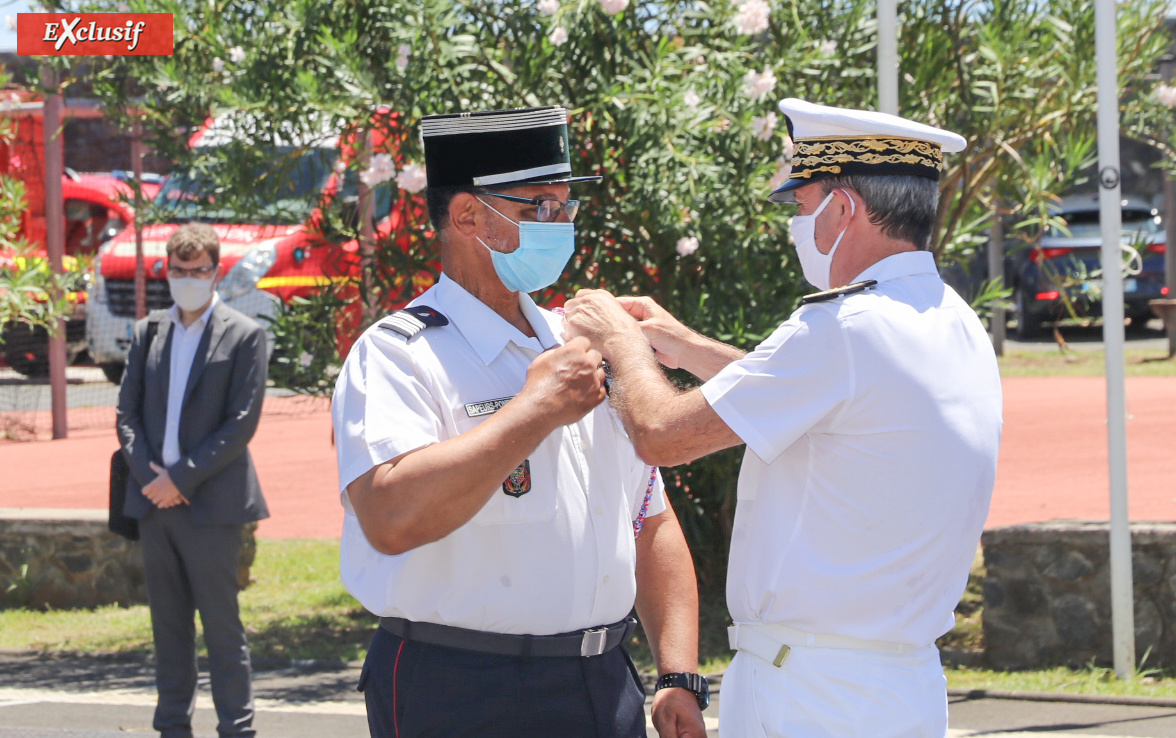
{"x": 418, "y": 690}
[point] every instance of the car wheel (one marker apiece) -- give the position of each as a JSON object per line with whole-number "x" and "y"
{"x": 1137, "y": 324}
{"x": 112, "y": 372}
{"x": 1028, "y": 328}
{"x": 26, "y": 349}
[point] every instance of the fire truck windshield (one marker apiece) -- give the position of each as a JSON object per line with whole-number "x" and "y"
{"x": 282, "y": 193}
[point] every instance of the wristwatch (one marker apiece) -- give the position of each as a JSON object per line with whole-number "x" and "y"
{"x": 695, "y": 683}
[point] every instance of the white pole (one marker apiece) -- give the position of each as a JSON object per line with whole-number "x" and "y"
{"x": 888, "y": 56}
{"x": 1110, "y": 218}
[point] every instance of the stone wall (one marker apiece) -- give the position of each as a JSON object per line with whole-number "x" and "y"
{"x": 74, "y": 561}
{"x": 1047, "y": 594}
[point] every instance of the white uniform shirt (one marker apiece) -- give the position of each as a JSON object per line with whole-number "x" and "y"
{"x": 558, "y": 558}
{"x": 872, "y": 423}
{"x": 185, "y": 341}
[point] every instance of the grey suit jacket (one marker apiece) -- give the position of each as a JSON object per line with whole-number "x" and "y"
{"x": 220, "y": 412}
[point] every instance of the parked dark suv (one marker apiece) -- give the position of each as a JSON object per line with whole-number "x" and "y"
{"x": 1070, "y": 264}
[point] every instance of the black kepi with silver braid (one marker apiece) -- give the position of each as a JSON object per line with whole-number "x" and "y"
{"x": 498, "y": 148}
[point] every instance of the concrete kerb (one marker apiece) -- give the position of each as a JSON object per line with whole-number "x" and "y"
{"x": 260, "y": 664}
{"x": 270, "y": 664}
{"x": 1089, "y": 699}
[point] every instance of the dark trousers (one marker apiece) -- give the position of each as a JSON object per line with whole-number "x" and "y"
{"x": 190, "y": 568}
{"x": 414, "y": 690}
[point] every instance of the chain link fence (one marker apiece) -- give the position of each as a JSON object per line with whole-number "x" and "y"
{"x": 26, "y": 407}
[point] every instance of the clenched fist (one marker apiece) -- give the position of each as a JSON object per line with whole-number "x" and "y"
{"x": 668, "y": 337}
{"x": 567, "y": 381}
{"x": 597, "y": 316}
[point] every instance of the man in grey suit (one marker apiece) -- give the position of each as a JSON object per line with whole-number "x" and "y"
{"x": 189, "y": 403}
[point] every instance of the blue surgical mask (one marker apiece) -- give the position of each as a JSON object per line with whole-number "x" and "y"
{"x": 543, "y": 252}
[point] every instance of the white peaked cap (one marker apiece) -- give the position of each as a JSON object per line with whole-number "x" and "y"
{"x": 829, "y": 142}
{"x": 810, "y": 120}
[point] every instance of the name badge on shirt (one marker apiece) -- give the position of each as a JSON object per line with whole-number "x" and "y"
{"x": 519, "y": 481}
{"x": 486, "y": 407}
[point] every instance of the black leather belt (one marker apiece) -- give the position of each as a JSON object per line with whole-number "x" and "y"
{"x": 591, "y": 642}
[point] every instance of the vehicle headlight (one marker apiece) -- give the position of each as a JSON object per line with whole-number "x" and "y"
{"x": 244, "y": 276}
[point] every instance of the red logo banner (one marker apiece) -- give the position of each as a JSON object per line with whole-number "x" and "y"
{"x": 126, "y": 34}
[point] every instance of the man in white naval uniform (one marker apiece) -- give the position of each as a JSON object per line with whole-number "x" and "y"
{"x": 492, "y": 498}
{"x": 872, "y": 418}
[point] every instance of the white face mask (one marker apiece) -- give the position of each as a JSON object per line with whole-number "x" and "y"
{"x": 190, "y": 293}
{"x": 813, "y": 263}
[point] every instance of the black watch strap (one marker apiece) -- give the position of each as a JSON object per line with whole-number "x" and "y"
{"x": 695, "y": 683}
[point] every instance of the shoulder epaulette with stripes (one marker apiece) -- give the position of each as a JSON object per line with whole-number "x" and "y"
{"x": 848, "y": 289}
{"x": 412, "y": 320}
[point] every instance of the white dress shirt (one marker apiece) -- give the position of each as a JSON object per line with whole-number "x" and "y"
{"x": 560, "y": 557}
{"x": 872, "y": 423}
{"x": 183, "y": 352}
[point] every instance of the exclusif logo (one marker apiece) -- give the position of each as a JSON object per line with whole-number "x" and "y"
{"x": 136, "y": 34}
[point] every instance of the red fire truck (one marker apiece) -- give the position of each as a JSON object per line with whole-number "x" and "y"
{"x": 96, "y": 208}
{"x": 266, "y": 258}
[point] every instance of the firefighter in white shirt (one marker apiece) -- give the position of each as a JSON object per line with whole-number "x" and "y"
{"x": 492, "y": 498}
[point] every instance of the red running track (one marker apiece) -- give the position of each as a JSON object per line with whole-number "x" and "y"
{"x": 1053, "y": 460}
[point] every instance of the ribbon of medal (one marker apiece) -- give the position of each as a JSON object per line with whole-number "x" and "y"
{"x": 639, "y": 523}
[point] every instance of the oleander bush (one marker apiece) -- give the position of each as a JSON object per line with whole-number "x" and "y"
{"x": 673, "y": 102}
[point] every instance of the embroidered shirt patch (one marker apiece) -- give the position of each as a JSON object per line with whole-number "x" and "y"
{"x": 519, "y": 481}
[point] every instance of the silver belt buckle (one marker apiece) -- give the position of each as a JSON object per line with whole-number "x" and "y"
{"x": 593, "y": 642}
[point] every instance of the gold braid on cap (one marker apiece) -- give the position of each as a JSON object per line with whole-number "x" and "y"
{"x": 832, "y": 154}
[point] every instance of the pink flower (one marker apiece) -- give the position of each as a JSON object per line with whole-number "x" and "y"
{"x": 756, "y": 85}
{"x": 559, "y": 36}
{"x": 380, "y": 169}
{"x": 1166, "y": 94}
{"x": 548, "y": 7}
{"x": 691, "y": 100}
{"x": 236, "y": 55}
{"x": 412, "y": 178}
{"x": 752, "y": 17}
{"x": 764, "y": 126}
{"x": 783, "y": 169}
{"x": 612, "y": 7}
{"x": 687, "y": 246}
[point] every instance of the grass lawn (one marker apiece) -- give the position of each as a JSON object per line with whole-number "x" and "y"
{"x": 294, "y": 608}
{"x": 1082, "y": 363}
{"x": 1087, "y": 680}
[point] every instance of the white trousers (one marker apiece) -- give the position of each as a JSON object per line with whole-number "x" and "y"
{"x": 835, "y": 693}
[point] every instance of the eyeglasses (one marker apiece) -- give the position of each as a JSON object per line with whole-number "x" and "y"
{"x": 548, "y": 208}
{"x": 199, "y": 272}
